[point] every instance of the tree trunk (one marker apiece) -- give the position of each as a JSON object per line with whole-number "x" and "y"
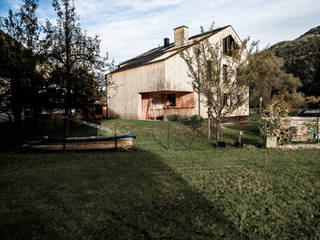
{"x": 217, "y": 134}
{"x": 35, "y": 118}
{"x": 209, "y": 129}
{"x": 198, "y": 103}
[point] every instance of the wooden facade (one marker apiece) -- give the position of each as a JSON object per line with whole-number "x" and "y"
{"x": 159, "y": 105}
{"x": 147, "y": 83}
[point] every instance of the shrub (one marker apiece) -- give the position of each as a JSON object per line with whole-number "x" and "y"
{"x": 174, "y": 117}
{"x": 195, "y": 123}
{"x": 278, "y": 121}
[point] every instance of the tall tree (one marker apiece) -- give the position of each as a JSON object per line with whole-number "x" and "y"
{"x": 214, "y": 76}
{"x": 30, "y": 38}
{"x": 268, "y": 78}
{"x": 74, "y": 57}
{"x": 20, "y": 42}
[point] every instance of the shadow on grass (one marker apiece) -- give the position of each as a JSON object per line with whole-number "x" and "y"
{"x": 155, "y": 138}
{"x": 12, "y": 139}
{"x": 103, "y": 195}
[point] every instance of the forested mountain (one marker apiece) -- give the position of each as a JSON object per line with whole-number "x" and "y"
{"x": 302, "y": 58}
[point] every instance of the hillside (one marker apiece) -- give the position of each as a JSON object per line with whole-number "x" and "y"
{"x": 302, "y": 58}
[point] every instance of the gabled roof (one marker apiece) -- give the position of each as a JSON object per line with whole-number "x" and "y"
{"x": 160, "y": 53}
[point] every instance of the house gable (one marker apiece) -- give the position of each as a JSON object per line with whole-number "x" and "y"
{"x": 148, "y": 83}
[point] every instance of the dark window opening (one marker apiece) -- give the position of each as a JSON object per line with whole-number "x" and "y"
{"x": 98, "y": 110}
{"x": 228, "y": 45}
{"x": 172, "y": 100}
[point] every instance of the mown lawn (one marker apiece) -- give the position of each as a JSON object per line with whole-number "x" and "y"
{"x": 192, "y": 191}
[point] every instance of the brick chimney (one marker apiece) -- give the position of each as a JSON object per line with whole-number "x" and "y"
{"x": 166, "y": 42}
{"x": 180, "y": 35}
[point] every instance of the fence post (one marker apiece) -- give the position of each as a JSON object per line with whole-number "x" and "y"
{"x": 265, "y": 133}
{"x": 318, "y": 134}
{"x": 168, "y": 135}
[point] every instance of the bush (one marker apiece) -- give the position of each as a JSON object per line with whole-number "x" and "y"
{"x": 195, "y": 123}
{"x": 174, "y": 117}
{"x": 278, "y": 121}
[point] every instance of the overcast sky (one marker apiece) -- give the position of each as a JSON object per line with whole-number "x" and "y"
{"x": 130, "y": 27}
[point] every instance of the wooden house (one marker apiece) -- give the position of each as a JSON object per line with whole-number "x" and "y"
{"x": 156, "y": 84}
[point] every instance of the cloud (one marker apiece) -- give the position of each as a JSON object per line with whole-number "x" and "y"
{"x": 130, "y": 27}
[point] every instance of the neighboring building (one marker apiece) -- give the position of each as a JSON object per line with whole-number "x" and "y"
{"x": 156, "y": 84}
{"x": 95, "y": 112}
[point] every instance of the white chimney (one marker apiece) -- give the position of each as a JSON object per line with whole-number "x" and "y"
{"x": 180, "y": 35}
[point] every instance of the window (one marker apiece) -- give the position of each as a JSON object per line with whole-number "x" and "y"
{"x": 225, "y": 73}
{"x": 98, "y": 110}
{"x": 172, "y": 100}
{"x": 228, "y": 44}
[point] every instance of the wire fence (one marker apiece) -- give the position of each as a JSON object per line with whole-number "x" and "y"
{"x": 165, "y": 135}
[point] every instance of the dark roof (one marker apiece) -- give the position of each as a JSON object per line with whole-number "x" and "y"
{"x": 147, "y": 57}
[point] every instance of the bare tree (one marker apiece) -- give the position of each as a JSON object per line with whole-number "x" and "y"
{"x": 213, "y": 71}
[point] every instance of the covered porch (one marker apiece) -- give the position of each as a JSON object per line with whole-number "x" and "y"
{"x": 159, "y": 105}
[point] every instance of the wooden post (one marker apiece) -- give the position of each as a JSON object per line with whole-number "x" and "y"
{"x": 260, "y": 104}
{"x": 217, "y": 135}
{"x": 168, "y": 135}
{"x": 318, "y": 134}
{"x": 199, "y": 113}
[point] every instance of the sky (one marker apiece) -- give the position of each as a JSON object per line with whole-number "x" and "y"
{"x": 128, "y": 28}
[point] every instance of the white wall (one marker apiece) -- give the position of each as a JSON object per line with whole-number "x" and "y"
{"x": 126, "y": 102}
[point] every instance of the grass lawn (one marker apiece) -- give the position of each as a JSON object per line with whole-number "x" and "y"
{"x": 192, "y": 191}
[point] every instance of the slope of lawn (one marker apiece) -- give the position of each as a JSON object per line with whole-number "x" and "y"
{"x": 192, "y": 191}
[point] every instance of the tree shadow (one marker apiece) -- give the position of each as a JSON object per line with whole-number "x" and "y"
{"x": 156, "y": 138}
{"x": 107, "y": 195}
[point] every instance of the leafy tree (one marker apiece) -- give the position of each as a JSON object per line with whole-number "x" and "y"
{"x": 19, "y": 44}
{"x": 301, "y": 58}
{"x": 214, "y": 76}
{"x": 277, "y": 118}
{"x": 30, "y": 38}
{"x": 13, "y": 57}
{"x": 74, "y": 57}
{"x": 268, "y": 78}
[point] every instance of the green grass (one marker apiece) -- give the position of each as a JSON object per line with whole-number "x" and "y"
{"x": 192, "y": 191}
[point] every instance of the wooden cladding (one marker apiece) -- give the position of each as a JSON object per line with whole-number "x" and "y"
{"x": 155, "y": 103}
